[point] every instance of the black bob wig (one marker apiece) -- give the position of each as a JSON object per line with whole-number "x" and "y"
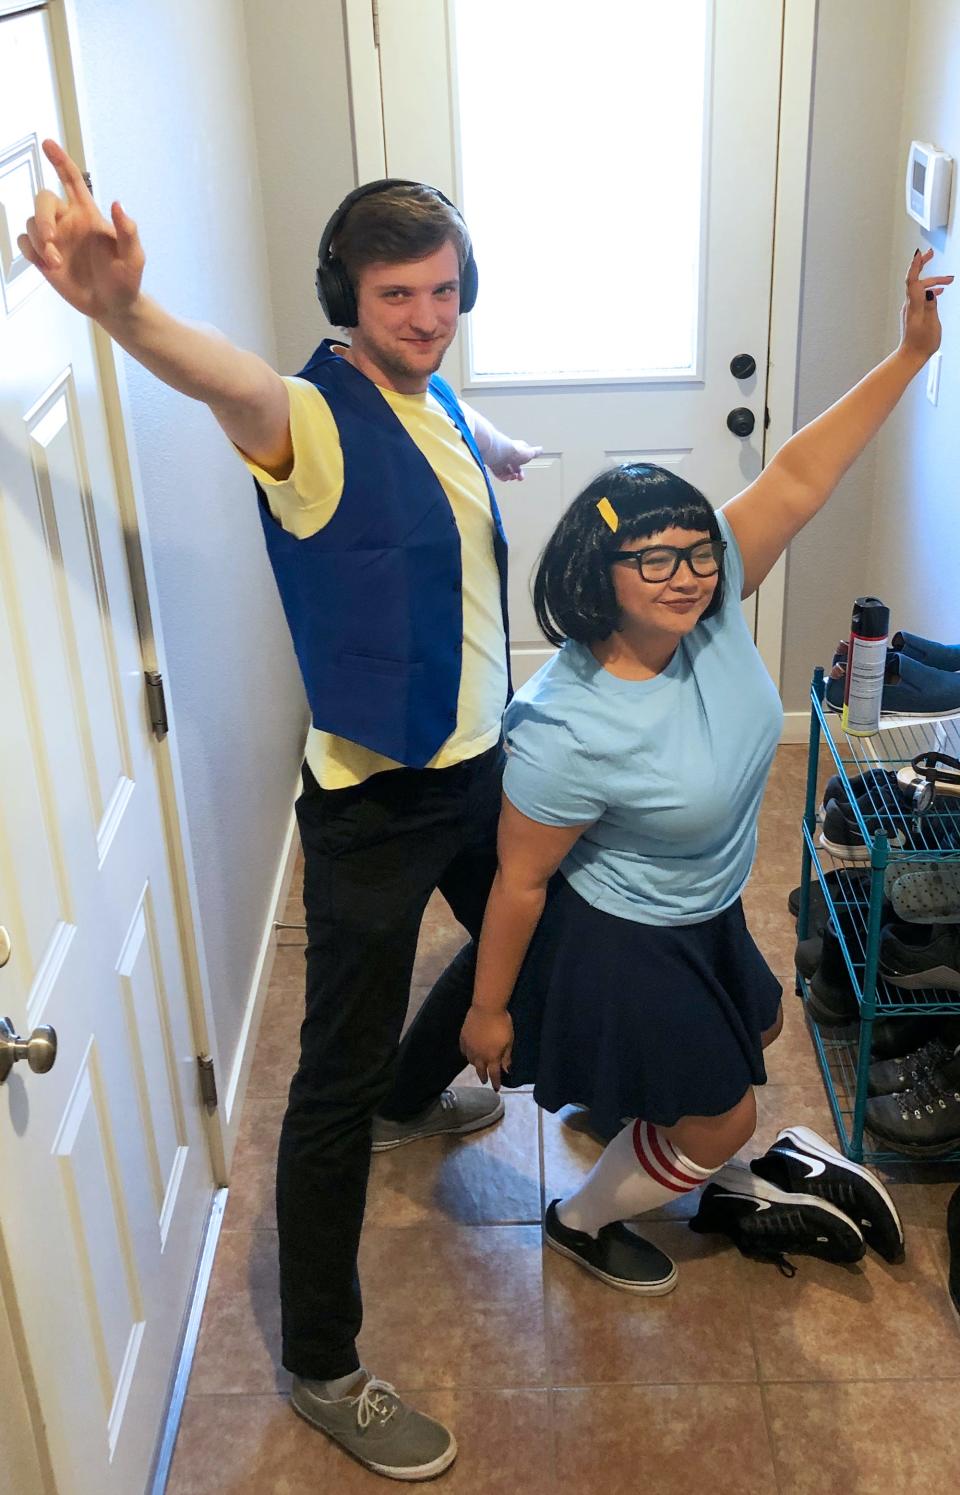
{"x": 573, "y": 593}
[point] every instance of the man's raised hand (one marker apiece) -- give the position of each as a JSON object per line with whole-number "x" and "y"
{"x": 94, "y": 264}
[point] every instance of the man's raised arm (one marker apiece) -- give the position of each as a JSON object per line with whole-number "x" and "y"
{"x": 97, "y": 265}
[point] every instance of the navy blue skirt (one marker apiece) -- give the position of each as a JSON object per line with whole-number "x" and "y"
{"x": 636, "y": 1019}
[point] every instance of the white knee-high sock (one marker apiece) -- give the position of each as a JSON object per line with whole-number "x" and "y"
{"x": 638, "y": 1171}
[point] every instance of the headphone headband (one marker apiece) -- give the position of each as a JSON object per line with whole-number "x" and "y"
{"x": 334, "y": 290}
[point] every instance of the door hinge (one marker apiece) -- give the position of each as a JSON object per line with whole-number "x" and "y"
{"x": 375, "y": 11}
{"x": 156, "y": 704}
{"x": 766, "y": 417}
{"x": 208, "y": 1081}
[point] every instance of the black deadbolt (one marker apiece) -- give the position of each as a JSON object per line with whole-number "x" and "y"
{"x": 742, "y": 365}
{"x": 741, "y": 421}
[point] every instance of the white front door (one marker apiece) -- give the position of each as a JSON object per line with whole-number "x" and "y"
{"x": 616, "y": 165}
{"x": 106, "y": 1172}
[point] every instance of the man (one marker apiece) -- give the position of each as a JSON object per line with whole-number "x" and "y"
{"x": 388, "y": 552}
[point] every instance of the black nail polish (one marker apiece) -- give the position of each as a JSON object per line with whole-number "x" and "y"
{"x": 929, "y": 295}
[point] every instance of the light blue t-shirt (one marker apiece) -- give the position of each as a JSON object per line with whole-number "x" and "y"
{"x": 671, "y": 770}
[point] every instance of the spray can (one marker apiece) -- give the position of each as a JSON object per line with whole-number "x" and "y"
{"x": 866, "y": 662}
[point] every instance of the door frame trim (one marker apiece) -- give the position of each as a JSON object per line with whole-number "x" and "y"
{"x": 798, "y": 56}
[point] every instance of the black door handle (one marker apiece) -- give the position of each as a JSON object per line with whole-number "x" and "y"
{"x": 741, "y": 421}
{"x": 743, "y": 365}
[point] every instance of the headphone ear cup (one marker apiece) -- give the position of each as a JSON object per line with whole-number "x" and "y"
{"x": 335, "y": 294}
{"x": 468, "y": 285}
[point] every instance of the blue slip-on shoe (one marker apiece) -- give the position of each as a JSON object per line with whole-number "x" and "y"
{"x": 915, "y": 689}
{"x": 910, "y": 689}
{"x": 927, "y": 651}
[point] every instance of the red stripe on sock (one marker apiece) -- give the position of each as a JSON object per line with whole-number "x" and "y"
{"x": 657, "y": 1148}
{"x": 647, "y": 1158}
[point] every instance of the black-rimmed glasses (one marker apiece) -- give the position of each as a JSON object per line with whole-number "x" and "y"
{"x": 662, "y": 562}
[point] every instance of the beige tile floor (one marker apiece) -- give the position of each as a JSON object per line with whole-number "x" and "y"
{"x": 841, "y": 1381}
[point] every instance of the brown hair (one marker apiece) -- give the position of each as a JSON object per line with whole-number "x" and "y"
{"x": 400, "y": 223}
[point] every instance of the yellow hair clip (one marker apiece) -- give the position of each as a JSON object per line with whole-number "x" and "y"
{"x": 608, "y": 513}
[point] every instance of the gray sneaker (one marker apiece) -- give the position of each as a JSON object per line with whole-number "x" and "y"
{"x": 380, "y": 1430}
{"x": 468, "y": 1108}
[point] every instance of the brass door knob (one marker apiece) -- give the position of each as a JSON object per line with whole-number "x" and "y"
{"x": 39, "y": 1050}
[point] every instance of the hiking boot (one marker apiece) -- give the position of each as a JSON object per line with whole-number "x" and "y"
{"x": 617, "y": 1256}
{"x": 913, "y": 956}
{"x": 801, "y": 1162}
{"x": 379, "y": 1429}
{"x": 468, "y": 1108}
{"x": 893, "y": 1037}
{"x": 924, "y": 1121}
{"x": 767, "y": 1223}
{"x": 890, "y": 1076}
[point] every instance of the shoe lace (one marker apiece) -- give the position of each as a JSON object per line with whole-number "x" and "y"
{"x": 924, "y": 1093}
{"x": 378, "y": 1400}
{"x": 921, "y": 1062}
{"x": 448, "y": 1100}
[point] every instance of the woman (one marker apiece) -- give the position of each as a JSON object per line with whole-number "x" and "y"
{"x": 637, "y": 762}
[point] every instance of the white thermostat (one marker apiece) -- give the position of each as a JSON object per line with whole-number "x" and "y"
{"x": 929, "y": 173}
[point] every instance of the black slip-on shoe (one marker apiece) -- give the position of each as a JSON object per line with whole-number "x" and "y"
{"x": 768, "y": 1223}
{"x": 617, "y": 1256}
{"x": 801, "y": 1162}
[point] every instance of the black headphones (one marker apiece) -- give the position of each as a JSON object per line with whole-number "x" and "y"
{"x": 334, "y": 290}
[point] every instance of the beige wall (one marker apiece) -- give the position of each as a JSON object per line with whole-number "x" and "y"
{"x": 848, "y": 311}
{"x": 298, "y": 56}
{"x": 915, "y": 547}
{"x": 169, "y": 121}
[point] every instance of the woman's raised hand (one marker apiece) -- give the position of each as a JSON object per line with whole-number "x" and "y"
{"x": 919, "y": 319}
{"x": 95, "y": 264}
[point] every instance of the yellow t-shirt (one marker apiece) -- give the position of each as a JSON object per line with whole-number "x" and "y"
{"x": 307, "y": 500}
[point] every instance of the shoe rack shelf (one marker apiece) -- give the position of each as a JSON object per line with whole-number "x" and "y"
{"x": 844, "y": 1054}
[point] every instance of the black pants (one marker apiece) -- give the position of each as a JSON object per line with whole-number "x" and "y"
{"x": 372, "y": 857}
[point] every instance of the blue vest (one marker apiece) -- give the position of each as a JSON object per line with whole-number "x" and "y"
{"x": 374, "y": 599}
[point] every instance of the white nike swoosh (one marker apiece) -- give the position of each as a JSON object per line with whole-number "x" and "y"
{"x": 815, "y": 1165}
{"x": 740, "y": 1198}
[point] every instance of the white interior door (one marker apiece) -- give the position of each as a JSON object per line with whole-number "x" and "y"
{"x": 106, "y": 1172}
{"x": 616, "y": 164}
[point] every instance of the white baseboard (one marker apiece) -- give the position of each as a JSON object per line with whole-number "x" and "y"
{"x": 796, "y": 728}
{"x": 231, "y": 1101}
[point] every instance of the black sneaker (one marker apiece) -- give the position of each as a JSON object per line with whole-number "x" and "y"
{"x": 801, "y": 1162}
{"x": 924, "y": 1121}
{"x": 913, "y": 956}
{"x": 890, "y": 1076}
{"x": 617, "y": 1256}
{"x": 768, "y": 1223}
{"x": 842, "y": 837}
{"x": 872, "y": 789}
